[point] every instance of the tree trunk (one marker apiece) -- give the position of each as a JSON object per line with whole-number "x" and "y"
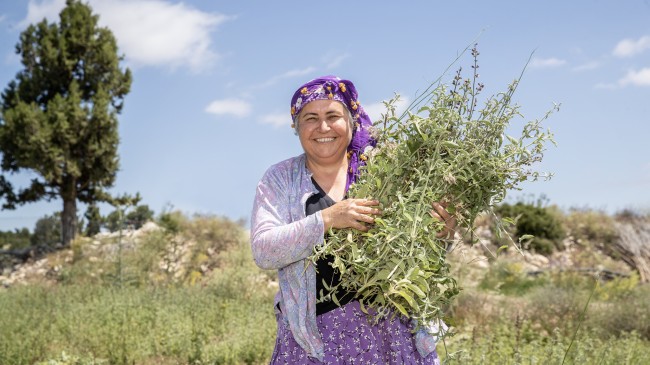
{"x": 69, "y": 214}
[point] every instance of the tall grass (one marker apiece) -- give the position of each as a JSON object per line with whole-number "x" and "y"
{"x": 218, "y": 308}
{"x": 522, "y": 343}
{"x": 226, "y": 317}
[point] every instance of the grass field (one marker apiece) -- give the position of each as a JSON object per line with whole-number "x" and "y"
{"x": 127, "y": 307}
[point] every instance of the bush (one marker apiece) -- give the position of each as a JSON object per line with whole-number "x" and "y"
{"x": 541, "y": 222}
{"x": 626, "y": 311}
{"x": 554, "y": 307}
{"x": 135, "y": 218}
{"x": 47, "y": 230}
{"x": 94, "y": 220}
{"x": 509, "y": 278}
{"x": 588, "y": 227}
{"x": 19, "y": 238}
{"x": 100, "y": 317}
{"x": 520, "y": 342}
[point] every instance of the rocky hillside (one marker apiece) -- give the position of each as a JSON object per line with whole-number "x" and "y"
{"x": 181, "y": 258}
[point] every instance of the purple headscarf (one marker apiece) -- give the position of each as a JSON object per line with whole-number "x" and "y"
{"x": 333, "y": 88}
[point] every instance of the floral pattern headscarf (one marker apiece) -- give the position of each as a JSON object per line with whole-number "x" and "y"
{"x": 333, "y": 88}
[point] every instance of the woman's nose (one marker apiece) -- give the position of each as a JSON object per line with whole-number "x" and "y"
{"x": 323, "y": 125}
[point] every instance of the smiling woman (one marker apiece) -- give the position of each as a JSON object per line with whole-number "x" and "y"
{"x": 298, "y": 201}
{"x": 325, "y": 131}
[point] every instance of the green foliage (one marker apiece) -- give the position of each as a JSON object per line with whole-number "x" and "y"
{"x": 17, "y": 238}
{"x": 94, "y": 220}
{"x": 47, "y": 230}
{"x": 88, "y": 319}
{"x": 623, "y": 309}
{"x": 589, "y": 227}
{"x": 172, "y": 221}
{"x": 135, "y": 218}
{"x": 114, "y": 221}
{"x": 520, "y": 342}
{"x": 533, "y": 219}
{"x": 59, "y": 116}
{"x": 443, "y": 149}
{"x": 225, "y": 315}
{"x": 140, "y": 215}
{"x": 509, "y": 278}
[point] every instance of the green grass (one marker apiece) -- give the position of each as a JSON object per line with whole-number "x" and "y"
{"x": 92, "y": 315}
{"x": 226, "y": 318}
{"x": 520, "y": 342}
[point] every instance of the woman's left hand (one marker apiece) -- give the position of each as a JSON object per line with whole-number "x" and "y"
{"x": 440, "y": 212}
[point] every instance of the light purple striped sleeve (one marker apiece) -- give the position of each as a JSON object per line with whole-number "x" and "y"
{"x": 280, "y": 234}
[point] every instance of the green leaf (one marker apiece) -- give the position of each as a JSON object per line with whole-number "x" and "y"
{"x": 408, "y": 216}
{"x": 399, "y": 307}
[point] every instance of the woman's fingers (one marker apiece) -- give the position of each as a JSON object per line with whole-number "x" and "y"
{"x": 351, "y": 213}
{"x": 440, "y": 212}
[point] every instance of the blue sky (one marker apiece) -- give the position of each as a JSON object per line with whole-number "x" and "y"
{"x": 208, "y": 110}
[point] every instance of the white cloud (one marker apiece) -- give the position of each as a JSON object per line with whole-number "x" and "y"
{"x": 287, "y": 75}
{"x": 36, "y": 11}
{"x": 633, "y": 77}
{"x": 630, "y": 47}
{"x": 334, "y": 62}
{"x": 587, "y": 66}
{"x": 2, "y": 17}
{"x": 149, "y": 32}
{"x": 546, "y": 62}
{"x": 277, "y": 120}
{"x": 637, "y": 78}
{"x": 235, "y": 107}
{"x": 375, "y": 110}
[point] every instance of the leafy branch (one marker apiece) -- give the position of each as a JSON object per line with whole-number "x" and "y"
{"x": 445, "y": 149}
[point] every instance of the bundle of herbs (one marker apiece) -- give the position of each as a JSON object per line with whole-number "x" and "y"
{"x": 442, "y": 149}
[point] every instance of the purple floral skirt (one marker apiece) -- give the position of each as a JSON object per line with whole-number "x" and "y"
{"x": 350, "y": 338}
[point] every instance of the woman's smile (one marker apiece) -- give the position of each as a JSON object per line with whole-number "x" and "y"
{"x": 325, "y": 132}
{"x": 324, "y": 140}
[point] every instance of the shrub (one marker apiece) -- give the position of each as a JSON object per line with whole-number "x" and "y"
{"x": 533, "y": 219}
{"x": 509, "y": 278}
{"x": 94, "y": 220}
{"x": 555, "y": 307}
{"x": 626, "y": 311}
{"x": 135, "y": 218}
{"x": 19, "y": 238}
{"x": 588, "y": 227}
{"x": 172, "y": 221}
{"x": 47, "y": 230}
{"x": 139, "y": 216}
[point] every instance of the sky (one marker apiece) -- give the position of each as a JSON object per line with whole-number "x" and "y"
{"x": 208, "y": 110}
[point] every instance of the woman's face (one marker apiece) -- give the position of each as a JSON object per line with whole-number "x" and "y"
{"x": 324, "y": 131}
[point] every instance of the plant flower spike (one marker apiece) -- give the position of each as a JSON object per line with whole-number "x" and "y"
{"x": 443, "y": 149}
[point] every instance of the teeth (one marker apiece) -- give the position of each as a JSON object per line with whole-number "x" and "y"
{"x": 325, "y": 139}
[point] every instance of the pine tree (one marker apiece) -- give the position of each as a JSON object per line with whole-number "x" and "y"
{"x": 58, "y": 117}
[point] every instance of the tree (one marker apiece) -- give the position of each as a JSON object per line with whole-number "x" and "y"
{"x": 58, "y": 118}
{"x": 136, "y": 218}
{"x": 94, "y": 220}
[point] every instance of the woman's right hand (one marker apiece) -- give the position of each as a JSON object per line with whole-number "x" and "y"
{"x": 351, "y": 213}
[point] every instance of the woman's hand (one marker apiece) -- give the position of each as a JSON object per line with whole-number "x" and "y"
{"x": 351, "y": 213}
{"x": 440, "y": 212}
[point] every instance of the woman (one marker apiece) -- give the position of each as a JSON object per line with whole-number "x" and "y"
{"x": 300, "y": 199}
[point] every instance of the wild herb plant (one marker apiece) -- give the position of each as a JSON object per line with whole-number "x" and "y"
{"x": 442, "y": 149}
